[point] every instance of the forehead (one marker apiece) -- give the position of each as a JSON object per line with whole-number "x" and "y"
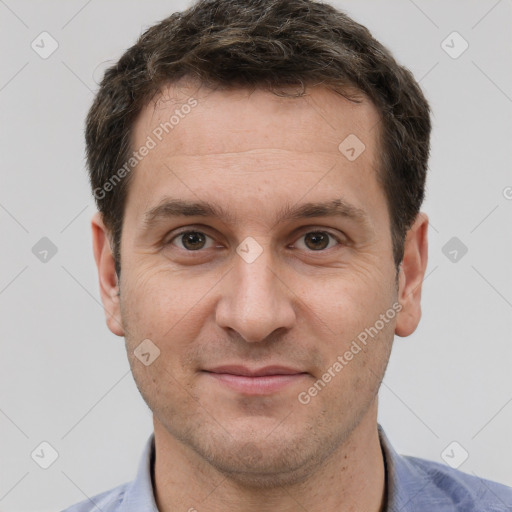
{"x": 243, "y": 119}
{"x": 252, "y": 147}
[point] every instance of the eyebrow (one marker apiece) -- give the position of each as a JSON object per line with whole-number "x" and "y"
{"x": 170, "y": 207}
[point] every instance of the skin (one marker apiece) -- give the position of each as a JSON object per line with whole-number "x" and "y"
{"x": 252, "y": 152}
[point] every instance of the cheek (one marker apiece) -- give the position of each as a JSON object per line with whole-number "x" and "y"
{"x": 351, "y": 309}
{"x": 157, "y": 294}
{"x": 165, "y": 305}
{"x": 354, "y": 371}
{"x": 348, "y": 300}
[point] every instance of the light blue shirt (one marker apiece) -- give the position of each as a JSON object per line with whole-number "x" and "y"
{"x": 413, "y": 485}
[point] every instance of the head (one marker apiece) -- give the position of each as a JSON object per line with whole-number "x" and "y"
{"x": 259, "y": 169}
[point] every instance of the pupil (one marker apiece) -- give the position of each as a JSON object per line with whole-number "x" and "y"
{"x": 316, "y": 238}
{"x": 193, "y": 240}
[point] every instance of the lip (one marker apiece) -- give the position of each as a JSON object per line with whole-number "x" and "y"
{"x": 254, "y": 372}
{"x": 255, "y": 381}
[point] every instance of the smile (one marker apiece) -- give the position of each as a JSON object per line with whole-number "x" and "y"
{"x": 261, "y": 381}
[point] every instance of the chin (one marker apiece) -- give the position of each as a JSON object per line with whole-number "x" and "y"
{"x": 264, "y": 463}
{"x": 267, "y": 471}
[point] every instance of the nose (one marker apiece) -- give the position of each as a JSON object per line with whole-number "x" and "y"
{"x": 255, "y": 300}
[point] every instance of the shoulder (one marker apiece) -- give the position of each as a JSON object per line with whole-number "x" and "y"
{"x": 132, "y": 496}
{"x": 419, "y": 484}
{"x": 108, "y": 501}
{"x": 464, "y": 492}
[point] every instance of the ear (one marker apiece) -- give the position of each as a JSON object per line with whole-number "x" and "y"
{"x": 411, "y": 275}
{"x": 109, "y": 286}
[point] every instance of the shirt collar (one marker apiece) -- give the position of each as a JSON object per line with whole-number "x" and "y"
{"x": 404, "y": 481}
{"x": 139, "y": 495}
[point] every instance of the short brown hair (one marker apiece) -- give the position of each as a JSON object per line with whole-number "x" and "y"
{"x": 262, "y": 43}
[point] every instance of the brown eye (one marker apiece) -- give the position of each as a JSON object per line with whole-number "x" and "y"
{"x": 191, "y": 240}
{"x": 317, "y": 241}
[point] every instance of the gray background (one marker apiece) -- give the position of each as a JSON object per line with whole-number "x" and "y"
{"x": 64, "y": 378}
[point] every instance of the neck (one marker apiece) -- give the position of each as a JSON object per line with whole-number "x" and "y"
{"x": 351, "y": 479}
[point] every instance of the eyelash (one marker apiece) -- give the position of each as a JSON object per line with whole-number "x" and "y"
{"x": 192, "y": 230}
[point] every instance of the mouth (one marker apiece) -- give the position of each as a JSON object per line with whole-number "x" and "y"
{"x": 255, "y": 381}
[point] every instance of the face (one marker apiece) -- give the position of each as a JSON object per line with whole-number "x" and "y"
{"x": 255, "y": 252}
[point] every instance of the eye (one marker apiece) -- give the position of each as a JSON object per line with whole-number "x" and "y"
{"x": 317, "y": 241}
{"x": 192, "y": 240}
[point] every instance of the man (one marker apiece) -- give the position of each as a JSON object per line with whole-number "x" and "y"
{"x": 259, "y": 168}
